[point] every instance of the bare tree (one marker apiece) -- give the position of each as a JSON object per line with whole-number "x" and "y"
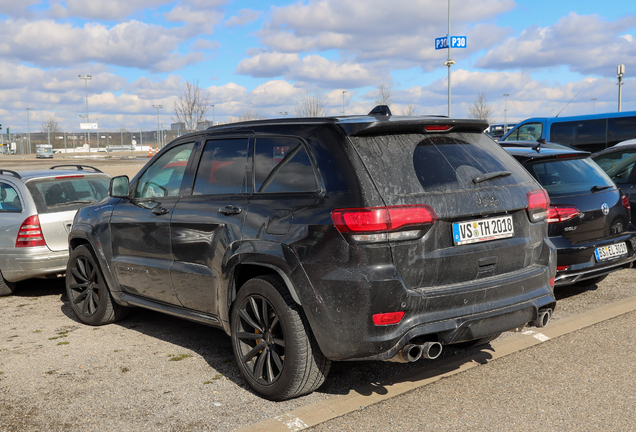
{"x": 192, "y": 105}
{"x": 410, "y": 110}
{"x": 310, "y": 106}
{"x": 246, "y": 115}
{"x": 51, "y": 125}
{"x": 481, "y": 109}
{"x": 384, "y": 95}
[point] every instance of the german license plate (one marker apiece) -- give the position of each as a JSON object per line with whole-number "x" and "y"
{"x": 481, "y": 230}
{"x": 611, "y": 251}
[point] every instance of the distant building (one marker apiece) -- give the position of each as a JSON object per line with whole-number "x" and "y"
{"x": 177, "y": 126}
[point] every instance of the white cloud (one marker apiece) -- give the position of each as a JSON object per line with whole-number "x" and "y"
{"x": 245, "y": 16}
{"x": 102, "y": 9}
{"x": 130, "y": 44}
{"x": 584, "y": 43}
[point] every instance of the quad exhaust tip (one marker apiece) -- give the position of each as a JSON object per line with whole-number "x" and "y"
{"x": 413, "y": 352}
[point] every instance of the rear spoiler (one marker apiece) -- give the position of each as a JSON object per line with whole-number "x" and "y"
{"x": 399, "y": 124}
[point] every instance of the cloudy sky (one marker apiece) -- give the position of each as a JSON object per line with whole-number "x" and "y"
{"x": 266, "y": 56}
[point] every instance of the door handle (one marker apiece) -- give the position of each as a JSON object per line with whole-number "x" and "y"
{"x": 230, "y": 210}
{"x": 160, "y": 210}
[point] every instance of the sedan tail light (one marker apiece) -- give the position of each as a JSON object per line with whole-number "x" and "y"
{"x": 538, "y": 203}
{"x": 625, "y": 202}
{"x": 30, "y": 234}
{"x": 562, "y": 213}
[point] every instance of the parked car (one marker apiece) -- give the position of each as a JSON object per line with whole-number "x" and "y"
{"x": 618, "y": 162}
{"x": 37, "y": 209}
{"x": 589, "y": 217}
{"x": 317, "y": 239}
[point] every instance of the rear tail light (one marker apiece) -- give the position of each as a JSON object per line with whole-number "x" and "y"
{"x": 561, "y": 268}
{"x": 562, "y": 213}
{"x": 552, "y": 282}
{"x": 388, "y": 318}
{"x": 625, "y": 202}
{"x": 538, "y": 203}
{"x": 30, "y": 234}
{"x": 383, "y": 223}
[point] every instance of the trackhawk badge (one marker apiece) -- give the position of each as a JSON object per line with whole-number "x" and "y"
{"x": 605, "y": 209}
{"x": 486, "y": 201}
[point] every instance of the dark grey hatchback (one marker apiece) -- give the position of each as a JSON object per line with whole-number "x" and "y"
{"x": 317, "y": 239}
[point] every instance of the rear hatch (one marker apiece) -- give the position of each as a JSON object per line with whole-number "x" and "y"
{"x": 478, "y": 193}
{"x": 58, "y": 198}
{"x": 585, "y": 203}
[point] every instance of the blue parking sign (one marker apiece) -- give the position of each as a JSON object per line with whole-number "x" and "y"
{"x": 458, "y": 41}
{"x": 441, "y": 43}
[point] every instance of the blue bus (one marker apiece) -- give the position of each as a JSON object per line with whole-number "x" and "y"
{"x": 586, "y": 132}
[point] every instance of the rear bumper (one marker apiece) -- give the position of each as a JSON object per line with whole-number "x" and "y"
{"x": 581, "y": 260}
{"x": 449, "y": 314}
{"x": 31, "y": 263}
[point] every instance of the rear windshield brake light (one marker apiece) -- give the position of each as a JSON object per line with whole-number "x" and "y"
{"x": 437, "y": 128}
{"x": 69, "y": 176}
{"x": 382, "y": 219}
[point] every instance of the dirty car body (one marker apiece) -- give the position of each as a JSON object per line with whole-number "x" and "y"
{"x": 383, "y": 232}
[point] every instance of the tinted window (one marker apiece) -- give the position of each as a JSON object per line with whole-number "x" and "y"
{"x": 413, "y": 163}
{"x": 569, "y": 177}
{"x": 619, "y": 166}
{"x": 9, "y": 199}
{"x": 67, "y": 193}
{"x": 282, "y": 165}
{"x": 164, "y": 176}
{"x": 222, "y": 167}
{"x": 586, "y": 134}
{"x": 620, "y": 129}
{"x": 526, "y": 132}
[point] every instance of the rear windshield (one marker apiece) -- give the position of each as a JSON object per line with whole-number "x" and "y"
{"x": 415, "y": 163}
{"x": 52, "y": 195}
{"x": 569, "y": 177}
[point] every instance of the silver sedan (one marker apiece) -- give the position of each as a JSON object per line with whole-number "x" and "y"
{"x": 36, "y": 213}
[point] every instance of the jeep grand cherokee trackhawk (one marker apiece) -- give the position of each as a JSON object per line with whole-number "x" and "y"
{"x": 316, "y": 239}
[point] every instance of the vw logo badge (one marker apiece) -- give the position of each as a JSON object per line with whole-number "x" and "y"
{"x": 605, "y": 209}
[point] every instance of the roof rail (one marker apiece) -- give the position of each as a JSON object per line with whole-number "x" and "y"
{"x": 381, "y": 110}
{"x": 13, "y": 173}
{"x": 79, "y": 167}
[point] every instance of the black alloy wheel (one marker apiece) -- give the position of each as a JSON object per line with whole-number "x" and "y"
{"x": 261, "y": 339}
{"x": 276, "y": 352}
{"x": 87, "y": 292}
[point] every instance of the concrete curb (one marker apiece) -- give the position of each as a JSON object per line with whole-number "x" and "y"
{"x": 314, "y": 414}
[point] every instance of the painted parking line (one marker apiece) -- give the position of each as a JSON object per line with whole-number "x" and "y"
{"x": 314, "y": 414}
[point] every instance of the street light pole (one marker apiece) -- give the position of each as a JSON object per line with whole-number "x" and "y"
{"x": 593, "y": 100}
{"x": 448, "y": 61}
{"x": 506, "y": 113}
{"x": 158, "y": 131}
{"x": 86, "y": 78}
{"x": 213, "y": 116}
{"x": 343, "y": 106}
{"x": 29, "y": 132}
{"x": 620, "y": 71}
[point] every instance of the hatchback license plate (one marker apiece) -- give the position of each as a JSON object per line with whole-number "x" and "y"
{"x": 611, "y": 251}
{"x": 482, "y": 230}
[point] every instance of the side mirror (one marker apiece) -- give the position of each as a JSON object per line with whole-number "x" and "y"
{"x": 118, "y": 187}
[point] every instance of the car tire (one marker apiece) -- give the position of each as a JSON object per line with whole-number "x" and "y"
{"x": 276, "y": 352}
{"x": 476, "y": 342}
{"x": 87, "y": 291}
{"x": 6, "y": 288}
{"x": 592, "y": 281}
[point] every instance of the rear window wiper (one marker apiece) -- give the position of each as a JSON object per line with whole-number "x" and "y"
{"x": 599, "y": 188}
{"x": 490, "y": 176}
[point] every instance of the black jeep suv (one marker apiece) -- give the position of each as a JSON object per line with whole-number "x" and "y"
{"x": 317, "y": 239}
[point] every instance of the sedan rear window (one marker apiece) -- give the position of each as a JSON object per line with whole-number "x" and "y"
{"x": 568, "y": 177}
{"x": 52, "y": 195}
{"x": 415, "y": 163}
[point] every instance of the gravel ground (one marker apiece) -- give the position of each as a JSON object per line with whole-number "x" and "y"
{"x": 152, "y": 372}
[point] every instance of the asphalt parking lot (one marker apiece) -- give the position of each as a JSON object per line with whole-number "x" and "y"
{"x": 152, "y": 372}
